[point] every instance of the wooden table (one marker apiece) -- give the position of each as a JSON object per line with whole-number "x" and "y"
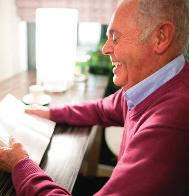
{"x": 64, "y": 156}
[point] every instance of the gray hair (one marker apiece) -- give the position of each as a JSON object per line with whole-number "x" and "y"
{"x": 153, "y": 12}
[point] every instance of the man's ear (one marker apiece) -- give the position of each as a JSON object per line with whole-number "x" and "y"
{"x": 164, "y": 37}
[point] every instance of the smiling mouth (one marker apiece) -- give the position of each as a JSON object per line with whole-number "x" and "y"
{"x": 116, "y": 66}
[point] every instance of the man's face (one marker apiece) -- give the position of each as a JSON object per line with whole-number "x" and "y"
{"x": 127, "y": 53}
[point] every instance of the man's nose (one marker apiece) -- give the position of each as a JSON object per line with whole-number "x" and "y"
{"x": 107, "y": 49}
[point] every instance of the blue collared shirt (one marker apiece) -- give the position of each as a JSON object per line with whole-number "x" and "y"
{"x": 143, "y": 89}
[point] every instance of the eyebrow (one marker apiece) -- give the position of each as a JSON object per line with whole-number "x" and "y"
{"x": 112, "y": 31}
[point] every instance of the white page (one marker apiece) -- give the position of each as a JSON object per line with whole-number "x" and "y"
{"x": 4, "y": 136}
{"x": 33, "y": 132}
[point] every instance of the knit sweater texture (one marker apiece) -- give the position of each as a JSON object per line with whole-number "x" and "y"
{"x": 154, "y": 153}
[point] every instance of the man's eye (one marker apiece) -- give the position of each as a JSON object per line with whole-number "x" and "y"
{"x": 115, "y": 39}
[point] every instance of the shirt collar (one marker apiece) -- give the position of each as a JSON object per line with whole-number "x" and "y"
{"x": 143, "y": 89}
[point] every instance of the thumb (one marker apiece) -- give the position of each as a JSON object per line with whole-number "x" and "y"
{"x": 12, "y": 140}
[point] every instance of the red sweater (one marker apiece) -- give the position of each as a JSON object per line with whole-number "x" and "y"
{"x": 154, "y": 154}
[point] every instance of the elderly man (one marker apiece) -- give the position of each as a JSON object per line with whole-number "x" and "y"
{"x": 146, "y": 40}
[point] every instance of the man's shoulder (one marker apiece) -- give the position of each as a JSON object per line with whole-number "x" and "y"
{"x": 177, "y": 89}
{"x": 171, "y": 107}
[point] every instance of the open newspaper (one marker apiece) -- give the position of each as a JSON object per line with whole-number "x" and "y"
{"x": 33, "y": 132}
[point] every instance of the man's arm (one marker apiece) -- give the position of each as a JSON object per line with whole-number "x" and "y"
{"x": 27, "y": 177}
{"x": 155, "y": 162}
{"x": 107, "y": 111}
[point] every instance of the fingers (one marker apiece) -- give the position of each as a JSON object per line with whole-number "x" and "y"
{"x": 34, "y": 109}
{"x": 10, "y": 156}
{"x": 13, "y": 140}
{"x": 41, "y": 111}
{"x": 3, "y": 148}
{"x": 31, "y": 111}
{"x": 15, "y": 143}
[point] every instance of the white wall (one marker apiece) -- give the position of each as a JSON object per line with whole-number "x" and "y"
{"x": 13, "y": 50}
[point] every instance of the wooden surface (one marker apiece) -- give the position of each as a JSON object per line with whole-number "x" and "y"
{"x": 67, "y": 148}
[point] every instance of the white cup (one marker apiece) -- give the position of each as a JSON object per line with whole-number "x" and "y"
{"x": 36, "y": 91}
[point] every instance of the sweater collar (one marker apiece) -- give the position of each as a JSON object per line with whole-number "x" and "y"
{"x": 146, "y": 87}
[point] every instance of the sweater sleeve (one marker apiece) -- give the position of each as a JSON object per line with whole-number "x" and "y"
{"x": 102, "y": 111}
{"x": 29, "y": 179}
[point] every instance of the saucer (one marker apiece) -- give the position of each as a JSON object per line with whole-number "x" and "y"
{"x": 42, "y": 100}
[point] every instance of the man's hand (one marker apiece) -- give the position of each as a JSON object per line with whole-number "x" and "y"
{"x": 39, "y": 111}
{"x": 10, "y": 156}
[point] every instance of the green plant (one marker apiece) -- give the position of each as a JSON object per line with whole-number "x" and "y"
{"x": 99, "y": 63}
